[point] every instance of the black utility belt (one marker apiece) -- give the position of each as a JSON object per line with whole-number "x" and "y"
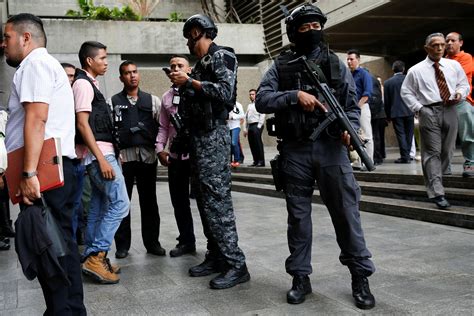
{"x": 434, "y": 104}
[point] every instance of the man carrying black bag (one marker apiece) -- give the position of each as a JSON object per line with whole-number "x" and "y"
{"x": 41, "y": 106}
{"x": 288, "y": 91}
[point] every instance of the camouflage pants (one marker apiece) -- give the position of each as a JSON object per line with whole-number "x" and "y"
{"x": 210, "y": 152}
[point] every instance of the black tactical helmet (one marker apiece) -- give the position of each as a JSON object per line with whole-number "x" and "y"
{"x": 202, "y": 21}
{"x": 300, "y": 15}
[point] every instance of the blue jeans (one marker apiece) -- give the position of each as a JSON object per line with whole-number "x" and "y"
{"x": 235, "y": 133}
{"x": 109, "y": 205}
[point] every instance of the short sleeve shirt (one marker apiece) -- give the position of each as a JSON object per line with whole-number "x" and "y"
{"x": 41, "y": 78}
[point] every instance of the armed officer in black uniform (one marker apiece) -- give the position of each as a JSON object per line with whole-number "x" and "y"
{"x": 206, "y": 97}
{"x": 287, "y": 91}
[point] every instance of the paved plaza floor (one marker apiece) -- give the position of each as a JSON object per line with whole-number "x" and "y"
{"x": 422, "y": 269}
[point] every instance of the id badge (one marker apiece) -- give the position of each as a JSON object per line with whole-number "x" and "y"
{"x": 176, "y": 99}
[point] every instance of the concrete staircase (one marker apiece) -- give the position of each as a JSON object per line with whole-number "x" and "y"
{"x": 400, "y": 195}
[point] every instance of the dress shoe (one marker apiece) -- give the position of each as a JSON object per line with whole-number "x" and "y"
{"x": 260, "y": 164}
{"x": 7, "y": 231}
{"x": 121, "y": 253}
{"x": 156, "y": 250}
{"x": 300, "y": 288}
{"x": 230, "y": 278}
{"x": 359, "y": 168}
{"x": 4, "y": 243}
{"x": 378, "y": 162}
{"x": 182, "y": 249}
{"x": 468, "y": 170}
{"x": 441, "y": 202}
{"x": 253, "y": 164}
{"x": 402, "y": 160}
{"x": 207, "y": 267}
{"x": 361, "y": 293}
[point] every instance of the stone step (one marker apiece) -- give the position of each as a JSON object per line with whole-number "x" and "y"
{"x": 378, "y": 176}
{"x": 460, "y": 216}
{"x": 456, "y": 196}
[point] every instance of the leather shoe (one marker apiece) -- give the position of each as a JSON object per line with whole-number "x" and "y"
{"x": 156, "y": 250}
{"x": 300, "y": 288}
{"x": 180, "y": 250}
{"x": 4, "y": 243}
{"x": 207, "y": 267}
{"x": 441, "y": 202}
{"x": 230, "y": 278}
{"x": 121, "y": 253}
{"x": 361, "y": 293}
{"x": 402, "y": 160}
{"x": 260, "y": 164}
{"x": 7, "y": 231}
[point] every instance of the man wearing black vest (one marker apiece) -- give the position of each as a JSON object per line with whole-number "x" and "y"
{"x": 136, "y": 121}
{"x": 287, "y": 91}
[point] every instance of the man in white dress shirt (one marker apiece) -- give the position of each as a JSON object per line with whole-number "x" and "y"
{"x": 253, "y": 128}
{"x": 432, "y": 88}
{"x": 41, "y": 106}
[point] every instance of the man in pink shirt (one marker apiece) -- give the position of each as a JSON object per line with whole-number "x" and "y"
{"x": 109, "y": 201}
{"x": 178, "y": 165}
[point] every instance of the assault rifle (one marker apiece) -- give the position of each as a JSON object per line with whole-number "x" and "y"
{"x": 336, "y": 113}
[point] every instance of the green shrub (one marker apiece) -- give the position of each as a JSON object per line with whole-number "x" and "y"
{"x": 90, "y": 12}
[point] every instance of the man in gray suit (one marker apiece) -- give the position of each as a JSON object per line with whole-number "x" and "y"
{"x": 398, "y": 113}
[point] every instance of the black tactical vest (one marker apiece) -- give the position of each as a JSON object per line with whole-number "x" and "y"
{"x": 100, "y": 118}
{"x": 134, "y": 123}
{"x": 293, "y": 123}
{"x": 209, "y": 109}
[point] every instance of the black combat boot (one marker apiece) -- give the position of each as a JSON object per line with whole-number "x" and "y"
{"x": 230, "y": 278}
{"x": 209, "y": 266}
{"x": 361, "y": 292}
{"x": 300, "y": 288}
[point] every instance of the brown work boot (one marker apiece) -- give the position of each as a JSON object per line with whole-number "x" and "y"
{"x": 115, "y": 267}
{"x": 100, "y": 269}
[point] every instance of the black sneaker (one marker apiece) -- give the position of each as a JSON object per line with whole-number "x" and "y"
{"x": 180, "y": 250}
{"x": 300, "y": 288}
{"x": 361, "y": 293}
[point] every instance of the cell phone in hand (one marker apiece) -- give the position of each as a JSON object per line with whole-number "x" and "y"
{"x": 166, "y": 70}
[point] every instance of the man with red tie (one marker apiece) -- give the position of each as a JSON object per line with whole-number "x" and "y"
{"x": 432, "y": 88}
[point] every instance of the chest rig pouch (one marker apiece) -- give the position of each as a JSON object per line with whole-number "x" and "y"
{"x": 293, "y": 123}
{"x": 206, "y": 112}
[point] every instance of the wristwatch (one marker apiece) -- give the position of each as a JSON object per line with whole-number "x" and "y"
{"x": 26, "y": 174}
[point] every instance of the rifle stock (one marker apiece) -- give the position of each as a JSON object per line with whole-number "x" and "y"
{"x": 337, "y": 110}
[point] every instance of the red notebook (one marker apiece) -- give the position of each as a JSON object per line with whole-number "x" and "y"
{"x": 50, "y": 168}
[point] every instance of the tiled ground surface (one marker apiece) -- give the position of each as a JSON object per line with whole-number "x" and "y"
{"x": 422, "y": 269}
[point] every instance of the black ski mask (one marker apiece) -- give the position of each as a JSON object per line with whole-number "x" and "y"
{"x": 306, "y": 42}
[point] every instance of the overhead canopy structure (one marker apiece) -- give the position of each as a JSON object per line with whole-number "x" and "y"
{"x": 398, "y": 28}
{"x": 388, "y": 28}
